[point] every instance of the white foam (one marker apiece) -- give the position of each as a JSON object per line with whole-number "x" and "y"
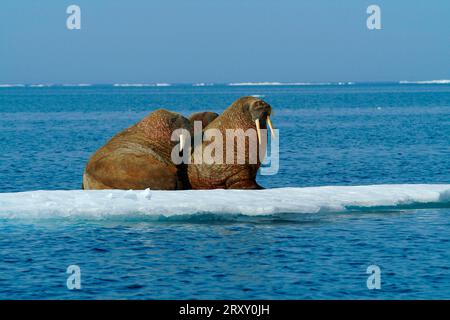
{"x": 443, "y": 81}
{"x": 163, "y": 84}
{"x": 40, "y": 85}
{"x": 202, "y": 84}
{"x": 77, "y": 85}
{"x": 142, "y": 85}
{"x": 255, "y": 84}
{"x": 288, "y": 83}
{"x": 133, "y": 85}
{"x": 107, "y": 203}
{"x": 6, "y": 85}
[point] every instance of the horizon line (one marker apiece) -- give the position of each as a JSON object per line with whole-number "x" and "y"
{"x": 207, "y": 83}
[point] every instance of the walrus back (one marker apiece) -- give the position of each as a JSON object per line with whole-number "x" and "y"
{"x": 128, "y": 161}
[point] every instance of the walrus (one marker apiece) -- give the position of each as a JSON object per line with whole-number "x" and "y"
{"x": 199, "y": 121}
{"x": 245, "y": 113}
{"x": 205, "y": 117}
{"x": 139, "y": 157}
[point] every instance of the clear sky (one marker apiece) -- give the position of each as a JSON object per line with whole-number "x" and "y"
{"x": 180, "y": 41}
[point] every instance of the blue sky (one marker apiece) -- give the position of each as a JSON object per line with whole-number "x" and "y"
{"x": 180, "y": 41}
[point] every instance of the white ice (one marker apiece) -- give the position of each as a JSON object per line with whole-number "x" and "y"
{"x": 105, "y": 203}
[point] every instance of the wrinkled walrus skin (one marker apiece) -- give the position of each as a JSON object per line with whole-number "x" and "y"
{"x": 139, "y": 157}
{"x": 240, "y": 115}
{"x": 205, "y": 117}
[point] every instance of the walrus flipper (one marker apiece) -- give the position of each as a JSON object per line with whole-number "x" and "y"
{"x": 245, "y": 184}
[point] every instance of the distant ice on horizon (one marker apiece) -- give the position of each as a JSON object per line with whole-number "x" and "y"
{"x": 141, "y": 85}
{"x": 443, "y": 81}
{"x": 288, "y": 83}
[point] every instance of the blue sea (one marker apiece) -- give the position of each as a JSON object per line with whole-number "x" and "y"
{"x": 347, "y": 134}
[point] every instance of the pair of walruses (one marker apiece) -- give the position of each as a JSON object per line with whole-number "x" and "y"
{"x": 140, "y": 156}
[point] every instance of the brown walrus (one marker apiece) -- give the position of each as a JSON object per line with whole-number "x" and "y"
{"x": 139, "y": 157}
{"x": 245, "y": 113}
{"x": 205, "y": 117}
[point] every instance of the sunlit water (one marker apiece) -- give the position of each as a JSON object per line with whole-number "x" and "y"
{"x": 329, "y": 135}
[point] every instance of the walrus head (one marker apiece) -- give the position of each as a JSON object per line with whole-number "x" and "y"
{"x": 250, "y": 112}
{"x": 260, "y": 112}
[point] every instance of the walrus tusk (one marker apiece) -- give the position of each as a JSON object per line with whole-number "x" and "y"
{"x": 270, "y": 126}
{"x": 258, "y": 130}
{"x": 181, "y": 142}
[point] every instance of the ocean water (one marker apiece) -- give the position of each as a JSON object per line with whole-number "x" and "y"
{"x": 334, "y": 135}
